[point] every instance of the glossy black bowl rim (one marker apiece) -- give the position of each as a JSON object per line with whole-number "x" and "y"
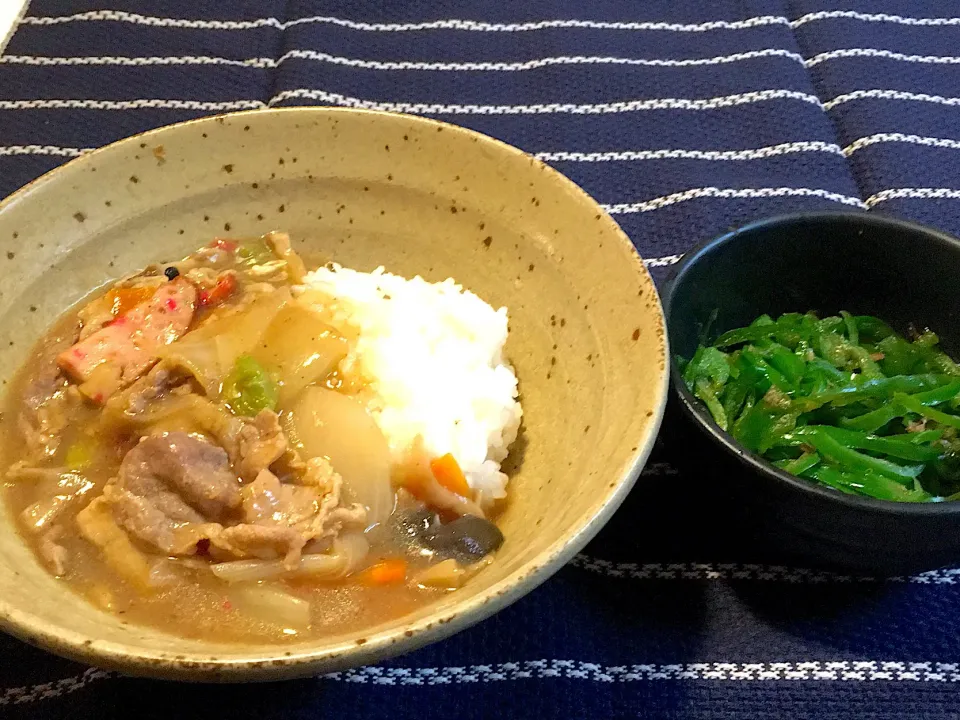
{"x": 699, "y": 414}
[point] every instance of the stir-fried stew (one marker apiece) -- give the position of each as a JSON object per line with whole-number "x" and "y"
{"x": 190, "y": 454}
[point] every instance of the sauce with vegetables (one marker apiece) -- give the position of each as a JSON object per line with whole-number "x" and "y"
{"x": 842, "y": 401}
{"x": 190, "y": 454}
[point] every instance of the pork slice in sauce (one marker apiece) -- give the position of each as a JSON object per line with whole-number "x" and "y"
{"x": 265, "y": 542}
{"x": 48, "y": 403}
{"x": 143, "y": 518}
{"x": 68, "y": 488}
{"x": 175, "y": 490}
{"x": 312, "y": 503}
{"x": 261, "y": 444}
{"x": 52, "y": 552}
{"x": 187, "y": 478}
{"x": 332, "y": 515}
{"x": 311, "y": 511}
{"x": 117, "y": 354}
{"x": 150, "y": 388}
{"x": 267, "y": 501}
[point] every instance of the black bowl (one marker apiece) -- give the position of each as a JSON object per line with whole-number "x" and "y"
{"x": 899, "y": 271}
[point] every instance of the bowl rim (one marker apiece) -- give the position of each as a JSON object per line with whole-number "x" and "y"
{"x": 270, "y": 663}
{"x": 696, "y": 411}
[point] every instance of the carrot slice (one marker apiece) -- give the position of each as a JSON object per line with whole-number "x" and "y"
{"x": 123, "y": 299}
{"x": 385, "y": 572}
{"x": 447, "y": 471}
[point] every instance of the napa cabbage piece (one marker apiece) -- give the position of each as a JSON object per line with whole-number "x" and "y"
{"x": 270, "y": 605}
{"x": 97, "y": 525}
{"x": 325, "y": 423}
{"x": 175, "y": 413}
{"x": 299, "y": 347}
{"x": 210, "y": 352}
{"x": 348, "y": 552}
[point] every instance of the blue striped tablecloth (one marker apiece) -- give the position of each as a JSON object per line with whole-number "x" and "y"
{"x": 683, "y": 119}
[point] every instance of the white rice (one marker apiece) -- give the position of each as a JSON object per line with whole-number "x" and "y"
{"x": 434, "y": 353}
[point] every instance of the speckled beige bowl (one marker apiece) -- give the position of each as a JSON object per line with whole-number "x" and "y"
{"x": 365, "y": 189}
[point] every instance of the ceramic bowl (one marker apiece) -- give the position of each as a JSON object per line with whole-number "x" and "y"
{"x": 364, "y": 189}
{"x": 867, "y": 264}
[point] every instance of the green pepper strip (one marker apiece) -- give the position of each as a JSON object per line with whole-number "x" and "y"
{"x": 880, "y": 387}
{"x": 832, "y": 477}
{"x": 770, "y": 374}
{"x": 873, "y": 420}
{"x": 690, "y": 372}
{"x": 868, "y": 483}
{"x": 872, "y": 327}
{"x": 705, "y": 392}
{"x": 912, "y": 404}
{"x": 788, "y": 364}
{"x": 714, "y": 366}
{"x": 876, "y": 419}
{"x": 255, "y": 251}
{"x": 800, "y": 465}
{"x": 734, "y": 396}
{"x": 744, "y": 335}
{"x": 863, "y": 441}
{"x": 248, "y": 388}
{"x": 853, "y": 334}
{"x": 920, "y": 438}
{"x": 832, "y": 449}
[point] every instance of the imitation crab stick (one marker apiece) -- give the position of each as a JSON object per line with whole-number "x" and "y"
{"x": 118, "y": 353}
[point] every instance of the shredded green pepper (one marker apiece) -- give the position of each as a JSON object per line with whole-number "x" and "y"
{"x": 843, "y": 401}
{"x": 79, "y": 454}
{"x": 255, "y": 251}
{"x": 248, "y": 388}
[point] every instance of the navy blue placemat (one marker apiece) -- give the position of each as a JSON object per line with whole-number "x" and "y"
{"x": 683, "y": 119}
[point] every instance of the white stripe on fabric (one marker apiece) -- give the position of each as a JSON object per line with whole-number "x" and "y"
{"x": 727, "y": 193}
{"x": 42, "y": 150}
{"x": 873, "y": 17}
{"x": 889, "y": 95}
{"x": 421, "y": 108}
{"x": 877, "y": 53}
{"x": 135, "y": 61}
{"x": 803, "y": 671}
{"x": 863, "y": 142}
{"x": 152, "y": 103}
{"x": 811, "y": 671}
{"x": 478, "y": 66}
{"x": 713, "y": 103}
{"x": 749, "y": 572}
{"x": 538, "y": 63}
{"x": 679, "y": 154}
{"x": 451, "y": 24}
{"x": 664, "y": 261}
{"x": 57, "y": 688}
{"x": 396, "y": 65}
{"x": 918, "y": 193}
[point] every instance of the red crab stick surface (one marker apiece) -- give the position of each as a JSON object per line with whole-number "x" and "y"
{"x": 125, "y": 348}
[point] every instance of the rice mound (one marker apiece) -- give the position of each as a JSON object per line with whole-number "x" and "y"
{"x": 434, "y": 355}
